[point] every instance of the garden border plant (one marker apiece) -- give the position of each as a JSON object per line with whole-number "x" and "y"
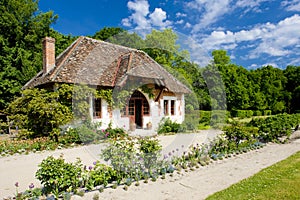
{"x": 136, "y": 159}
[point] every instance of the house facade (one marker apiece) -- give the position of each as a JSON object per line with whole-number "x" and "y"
{"x": 153, "y": 93}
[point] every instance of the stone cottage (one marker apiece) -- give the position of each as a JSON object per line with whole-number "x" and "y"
{"x": 103, "y": 65}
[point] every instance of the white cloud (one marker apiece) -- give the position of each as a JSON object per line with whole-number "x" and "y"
{"x": 126, "y": 22}
{"x": 140, "y": 10}
{"x": 250, "y": 5}
{"x": 187, "y": 25}
{"x": 212, "y": 10}
{"x": 293, "y": 5}
{"x": 142, "y": 18}
{"x": 158, "y": 18}
{"x": 179, "y": 14}
{"x": 271, "y": 39}
{"x": 179, "y": 21}
{"x": 139, "y": 6}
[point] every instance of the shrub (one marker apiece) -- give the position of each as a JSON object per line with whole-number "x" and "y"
{"x": 168, "y": 126}
{"x": 114, "y": 132}
{"x": 274, "y": 127}
{"x": 134, "y": 158}
{"x": 205, "y": 117}
{"x": 242, "y": 113}
{"x": 190, "y": 122}
{"x": 100, "y": 174}
{"x": 219, "y": 118}
{"x": 257, "y": 113}
{"x": 267, "y": 112}
{"x": 57, "y": 176}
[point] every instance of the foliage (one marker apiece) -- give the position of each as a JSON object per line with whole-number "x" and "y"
{"x": 114, "y": 133}
{"x": 263, "y": 186}
{"x": 190, "y": 122}
{"x": 23, "y": 26}
{"x": 242, "y": 113}
{"x": 237, "y": 133}
{"x": 105, "y": 94}
{"x": 168, "y": 126}
{"x": 274, "y": 127}
{"x": 57, "y": 176}
{"x": 134, "y": 159}
{"x": 39, "y": 112}
{"x": 107, "y": 33}
{"x": 99, "y": 174}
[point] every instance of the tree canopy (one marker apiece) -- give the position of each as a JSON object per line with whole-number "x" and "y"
{"x": 23, "y": 26}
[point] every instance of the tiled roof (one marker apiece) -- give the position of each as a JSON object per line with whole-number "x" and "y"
{"x": 99, "y": 63}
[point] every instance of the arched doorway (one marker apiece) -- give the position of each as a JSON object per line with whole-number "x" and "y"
{"x": 138, "y": 107}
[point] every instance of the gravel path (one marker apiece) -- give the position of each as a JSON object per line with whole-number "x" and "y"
{"x": 196, "y": 184}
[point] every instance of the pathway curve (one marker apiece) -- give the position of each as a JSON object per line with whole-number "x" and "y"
{"x": 192, "y": 185}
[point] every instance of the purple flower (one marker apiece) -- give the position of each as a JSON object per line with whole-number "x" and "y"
{"x": 94, "y": 163}
{"x": 165, "y": 156}
{"x": 177, "y": 149}
{"x": 90, "y": 167}
{"x": 173, "y": 151}
{"x": 170, "y": 153}
{"x": 31, "y": 186}
{"x": 107, "y": 133}
{"x": 17, "y": 184}
{"x": 182, "y": 146}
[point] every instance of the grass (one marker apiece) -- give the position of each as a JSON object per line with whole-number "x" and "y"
{"x": 280, "y": 181}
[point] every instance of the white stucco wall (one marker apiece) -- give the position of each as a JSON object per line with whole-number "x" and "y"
{"x": 155, "y": 117}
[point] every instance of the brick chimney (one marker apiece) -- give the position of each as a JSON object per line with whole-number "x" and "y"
{"x": 48, "y": 54}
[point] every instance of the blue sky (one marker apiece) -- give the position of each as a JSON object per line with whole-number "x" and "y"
{"x": 253, "y": 32}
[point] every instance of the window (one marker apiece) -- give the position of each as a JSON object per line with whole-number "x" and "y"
{"x": 166, "y": 111}
{"x": 172, "y": 107}
{"x": 97, "y": 108}
{"x": 131, "y": 107}
{"x": 146, "y": 109}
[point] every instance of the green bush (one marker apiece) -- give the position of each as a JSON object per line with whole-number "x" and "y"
{"x": 168, "y": 126}
{"x": 215, "y": 118}
{"x": 100, "y": 174}
{"x": 219, "y": 118}
{"x": 134, "y": 158}
{"x": 57, "y": 176}
{"x": 267, "y": 112}
{"x": 242, "y": 113}
{"x": 205, "y": 117}
{"x": 274, "y": 127}
{"x": 114, "y": 132}
{"x": 190, "y": 122}
{"x": 257, "y": 113}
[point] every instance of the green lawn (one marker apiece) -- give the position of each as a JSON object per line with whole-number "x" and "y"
{"x": 280, "y": 181}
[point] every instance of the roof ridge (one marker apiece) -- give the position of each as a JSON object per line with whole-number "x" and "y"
{"x": 165, "y": 70}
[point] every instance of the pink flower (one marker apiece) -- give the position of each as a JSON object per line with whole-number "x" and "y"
{"x": 17, "y": 184}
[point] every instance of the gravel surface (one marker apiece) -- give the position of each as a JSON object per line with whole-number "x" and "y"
{"x": 196, "y": 184}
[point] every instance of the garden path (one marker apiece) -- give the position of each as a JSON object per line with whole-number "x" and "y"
{"x": 192, "y": 185}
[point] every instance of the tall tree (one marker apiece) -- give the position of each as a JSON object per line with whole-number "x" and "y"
{"x": 271, "y": 82}
{"x": 22, "y": 28}
{"x": 292, "y": 88}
